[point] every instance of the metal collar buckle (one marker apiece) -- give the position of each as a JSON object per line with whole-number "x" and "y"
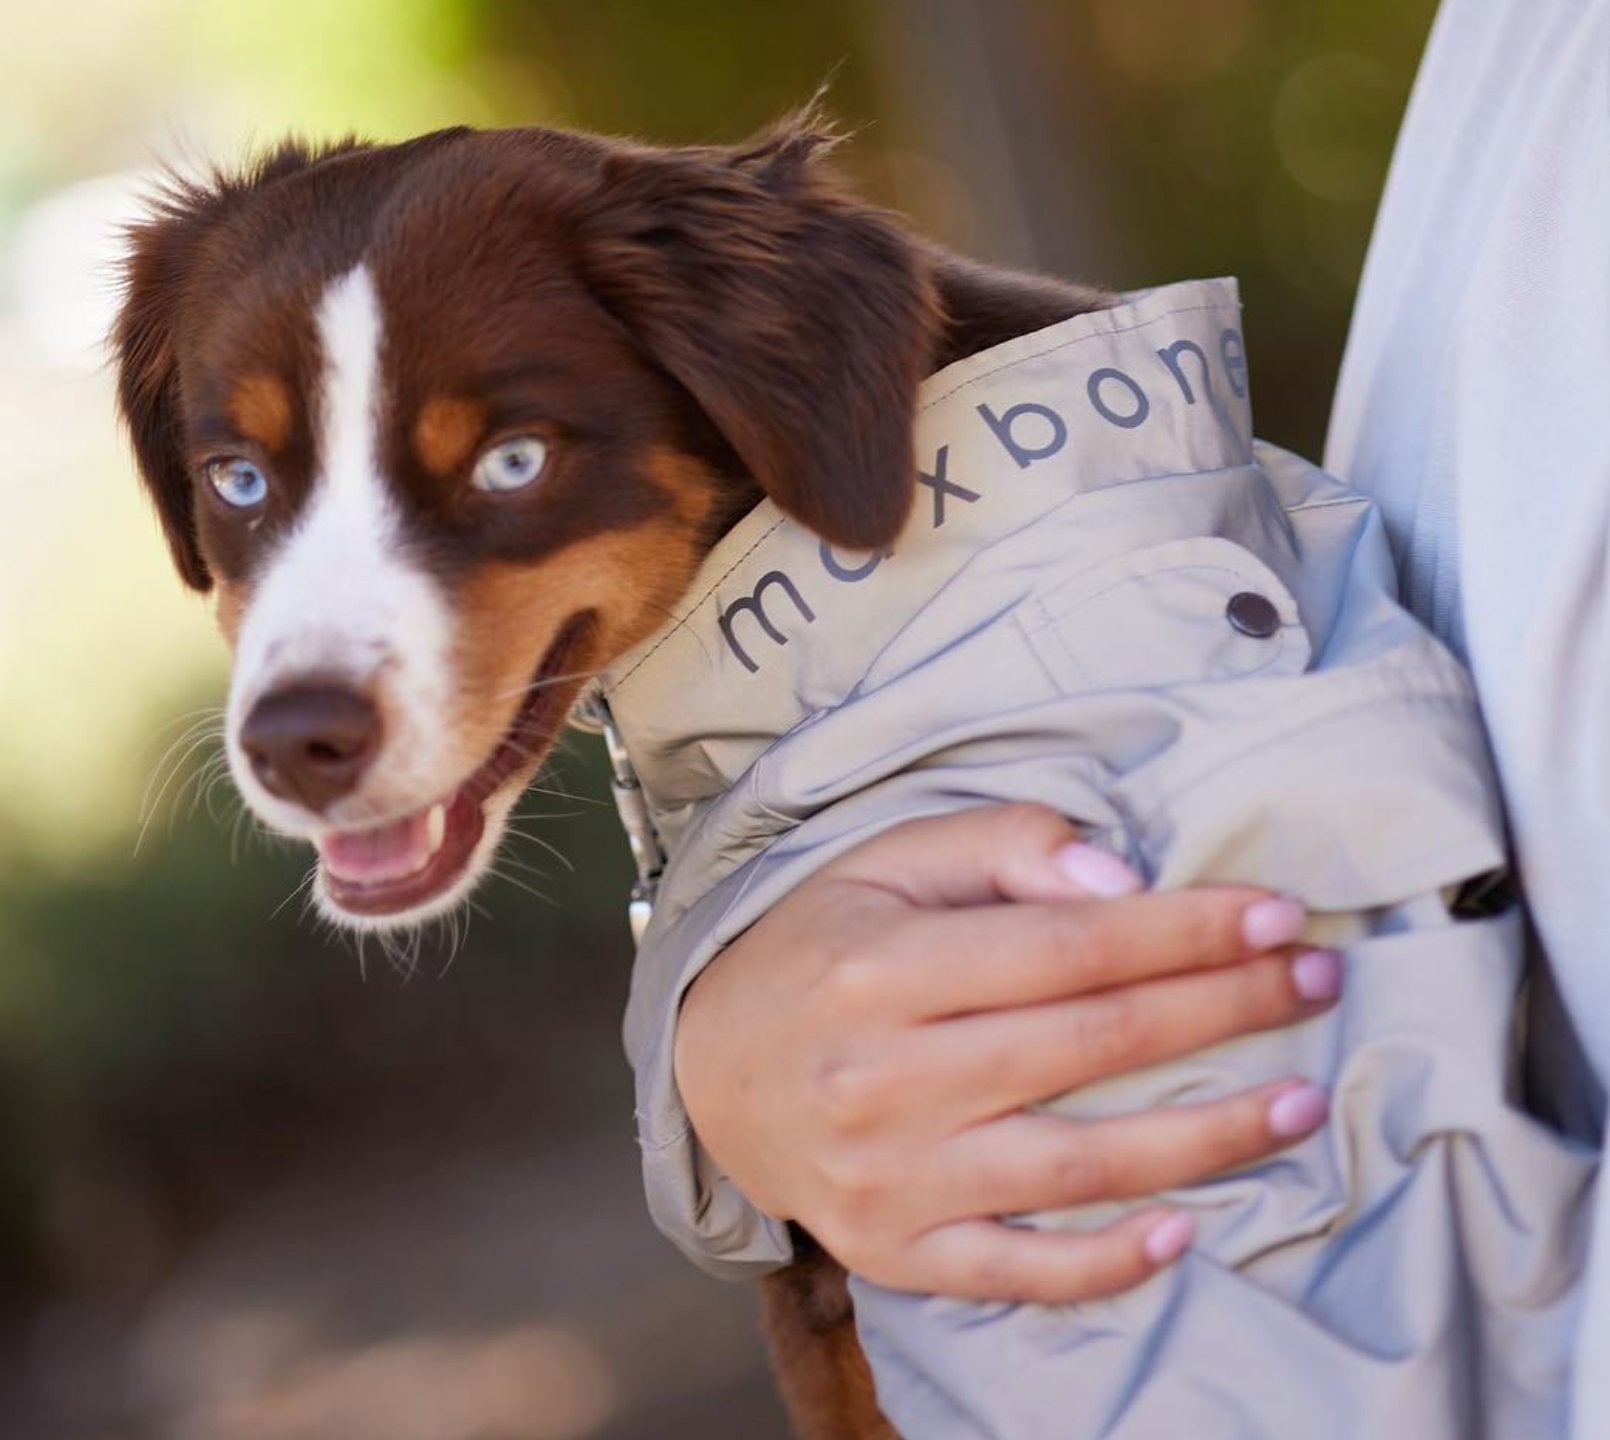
{"x": 592, "y": 713}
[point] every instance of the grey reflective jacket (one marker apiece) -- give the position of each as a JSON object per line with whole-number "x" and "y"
{"x": 1110, "y": 599}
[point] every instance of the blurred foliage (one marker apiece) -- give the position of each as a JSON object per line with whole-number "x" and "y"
{"x": 180, "y": 1009}
{"x": 678, "y": 73}
{"x": 1252, "y": 139}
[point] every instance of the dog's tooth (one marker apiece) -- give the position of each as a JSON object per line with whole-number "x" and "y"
{"x": 436, "y": 827}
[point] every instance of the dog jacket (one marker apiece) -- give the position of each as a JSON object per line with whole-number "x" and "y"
{"x": 1111, "y": 599}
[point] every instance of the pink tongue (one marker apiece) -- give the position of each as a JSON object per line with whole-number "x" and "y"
{"x": 388, "y": 852}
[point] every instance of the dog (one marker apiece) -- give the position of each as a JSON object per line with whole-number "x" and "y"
{"x": 453, "y": 321}
{"x": 449, "y": 427}
{"x": 445, "y": 426}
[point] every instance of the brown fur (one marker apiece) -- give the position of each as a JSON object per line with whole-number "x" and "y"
{"x": 625, "y": 582}
{"x": 446, "y": 432}
{"x": 810, "y": 1333}
{"x": 687, "y": 329}
{"x": 260, "y": 408}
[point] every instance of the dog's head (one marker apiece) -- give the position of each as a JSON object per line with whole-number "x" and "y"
{"x": 447, "y": 425}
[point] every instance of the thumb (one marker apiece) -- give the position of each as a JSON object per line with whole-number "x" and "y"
{"x": 984, "y": 855}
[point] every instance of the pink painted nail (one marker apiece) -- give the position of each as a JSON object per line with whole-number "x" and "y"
{"x": 1317, "y": 975}
{"x": 1297, "y": 1111}
{"x": 1269, "y": 923}
{"x": 1096, "y": 871}
{"x": 1167, "y": 1239}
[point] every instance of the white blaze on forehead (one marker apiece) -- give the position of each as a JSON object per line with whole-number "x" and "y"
{"x": 340, "y": 601}
{"x": 349, "y": 335}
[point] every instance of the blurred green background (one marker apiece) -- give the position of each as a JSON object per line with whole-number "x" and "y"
{"x": 254, "y": 1189}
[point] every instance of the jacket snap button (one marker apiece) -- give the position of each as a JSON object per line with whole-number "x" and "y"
{"x": 1253, "y": 614}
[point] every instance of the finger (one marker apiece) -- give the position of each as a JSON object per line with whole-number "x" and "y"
{"x": 986, "y": 1260}
{"x": 991, "y": 957}
{"x": 989, "y": 853}
{"x": 1023, "y": 1163}
{"x": 992, "y": 1064}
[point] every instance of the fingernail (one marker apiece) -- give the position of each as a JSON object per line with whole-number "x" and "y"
{"x": 1167, "y": 1239}
{"x": 1269, "y": 923}
{"x": 1297, "y": 1111}
{"x": 1096, "y": 871}
{"x": 1317, "y": 975}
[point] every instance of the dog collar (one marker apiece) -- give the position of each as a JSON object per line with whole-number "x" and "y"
{"x": 592, "y": 713}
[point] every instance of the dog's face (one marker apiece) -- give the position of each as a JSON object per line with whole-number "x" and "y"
{"x": 447, "y": 425}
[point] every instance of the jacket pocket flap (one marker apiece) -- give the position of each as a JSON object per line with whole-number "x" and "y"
{"x": 1203, "y": 608}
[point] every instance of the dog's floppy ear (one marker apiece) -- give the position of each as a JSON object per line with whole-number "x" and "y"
{"x": 154, "y": 271}
{"x": 799, "y": 319}
{"x": 162, "y": 249}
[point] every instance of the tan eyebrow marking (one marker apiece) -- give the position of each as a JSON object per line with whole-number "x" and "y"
{"x": 260, "y": 408}
{"x": 447, "y": 428}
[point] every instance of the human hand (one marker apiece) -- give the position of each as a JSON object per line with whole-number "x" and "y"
{"x": 860, "y": 1060}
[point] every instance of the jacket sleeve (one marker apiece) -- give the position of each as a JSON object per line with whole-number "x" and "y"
{"x": 691, "y": 1200}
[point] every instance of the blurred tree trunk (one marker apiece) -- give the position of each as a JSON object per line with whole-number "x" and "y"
{"x": 987, "y": 92}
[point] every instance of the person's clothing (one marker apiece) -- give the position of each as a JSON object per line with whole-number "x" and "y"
{"x": 1109, "y": 599}
{"x": 1472, "y": 407}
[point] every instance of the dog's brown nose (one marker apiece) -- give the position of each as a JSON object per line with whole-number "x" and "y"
{"x": 311, "y": 744}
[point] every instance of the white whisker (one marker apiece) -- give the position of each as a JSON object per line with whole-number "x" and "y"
{"x": 518, "y": 884}
{"x": 304, "y": 888}
{"x": 169, "y": 769}
{"x": 524, "y": 868}
{"x": 548, "y": 846}
{"x": 458, "y": 923}
{"x": 543, "y": 683}
{"x": 535, "y": 789}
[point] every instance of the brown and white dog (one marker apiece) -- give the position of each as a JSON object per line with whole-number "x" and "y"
{"x": 447, "y": 425}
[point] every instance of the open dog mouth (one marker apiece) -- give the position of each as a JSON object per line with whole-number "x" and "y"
{"x": 406, "y": 863}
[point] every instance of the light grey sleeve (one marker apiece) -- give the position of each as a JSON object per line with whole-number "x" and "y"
{"x": 690, "y": 1199}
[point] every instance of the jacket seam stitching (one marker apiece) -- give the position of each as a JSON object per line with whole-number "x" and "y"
{"x": 655, "y": 1146}
{"x": 692, "y": 610}
{"x": 1327, "y": 504}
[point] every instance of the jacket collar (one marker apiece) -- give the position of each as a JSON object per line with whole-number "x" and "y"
{"x": 778, "y": 626}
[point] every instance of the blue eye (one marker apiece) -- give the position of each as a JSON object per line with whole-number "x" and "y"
{"x": 238, "y": 482}
{"x": 511, "y": 465}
